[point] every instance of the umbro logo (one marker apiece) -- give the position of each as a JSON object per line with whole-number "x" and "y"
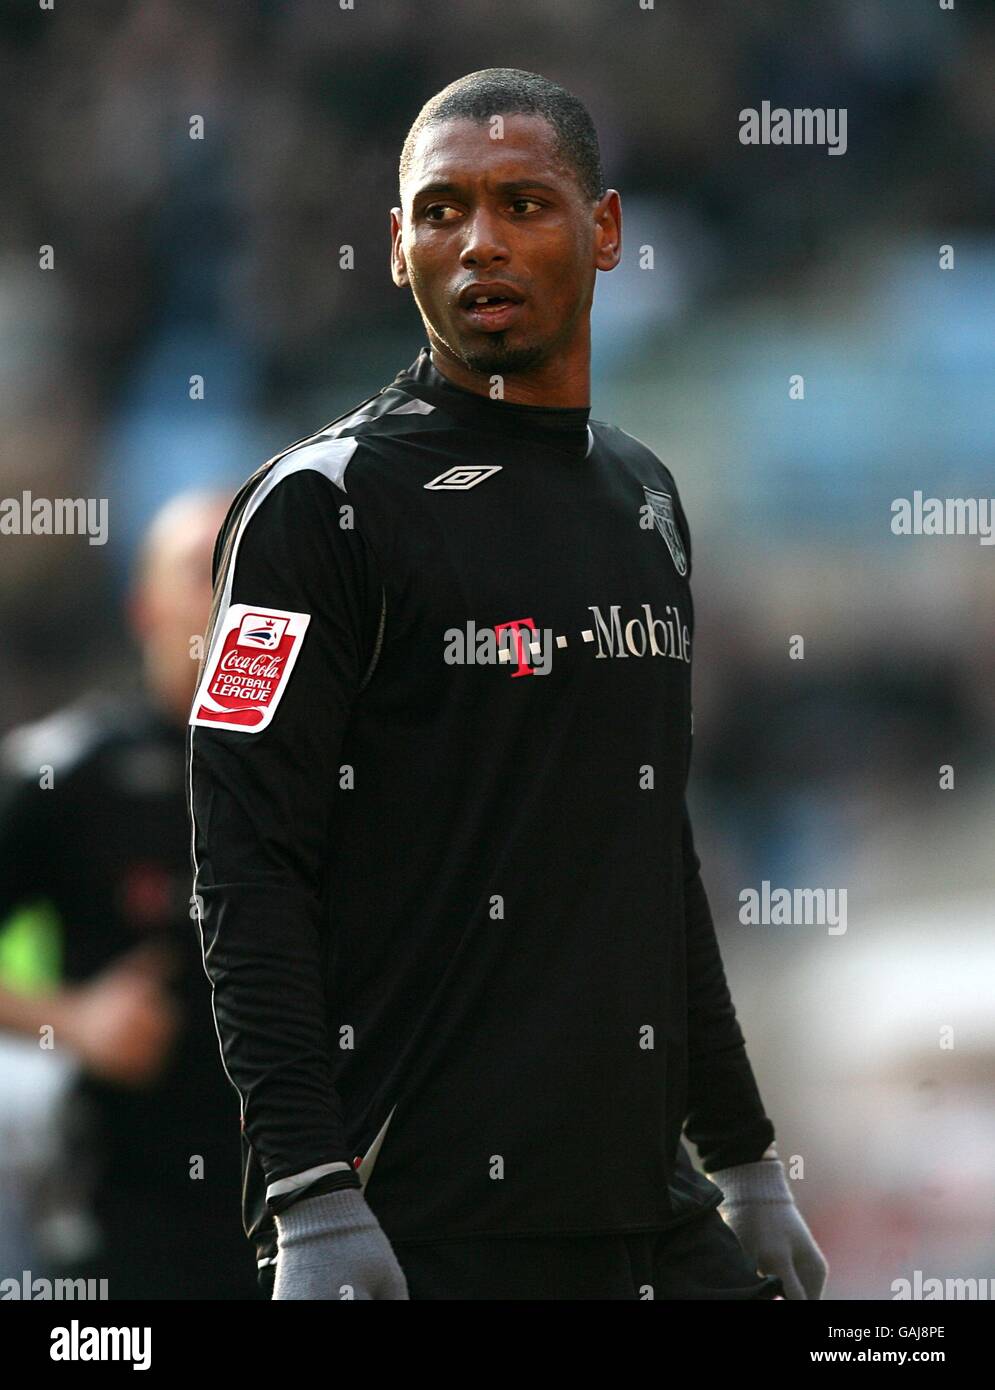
{"x": 463, "y": 477}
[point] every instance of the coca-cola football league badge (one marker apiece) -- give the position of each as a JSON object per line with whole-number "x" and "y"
{"x": 248, "y": 669}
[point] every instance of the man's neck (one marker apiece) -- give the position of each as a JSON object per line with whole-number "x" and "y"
{"x": 565, "y": 381}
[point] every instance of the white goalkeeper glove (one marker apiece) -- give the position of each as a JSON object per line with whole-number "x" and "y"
{"x": 333, "y": 1247}
{"x": 759, "y": 1207}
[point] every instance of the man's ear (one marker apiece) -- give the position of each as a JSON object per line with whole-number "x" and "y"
{"x": 398, "y": 268}
{"x": 608, "y": 219}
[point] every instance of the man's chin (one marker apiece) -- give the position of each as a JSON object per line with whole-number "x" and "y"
{"x": 495, "y": 357}
{"x": 508, "y": 353}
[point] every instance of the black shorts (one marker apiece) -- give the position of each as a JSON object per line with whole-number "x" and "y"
{"x": 699, "y": 1259}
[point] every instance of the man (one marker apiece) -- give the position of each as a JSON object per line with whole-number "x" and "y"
{"x": 92, "y": 822}
{"x": 451, "y": 906}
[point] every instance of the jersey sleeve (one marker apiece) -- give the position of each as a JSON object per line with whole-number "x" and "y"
{"x": 726, "y": 1120}
{"x": 295, "y": 614}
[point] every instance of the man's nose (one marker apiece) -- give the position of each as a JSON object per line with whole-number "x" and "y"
{"x": 484, "y": 241}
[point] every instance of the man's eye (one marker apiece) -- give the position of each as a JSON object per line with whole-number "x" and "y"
{"x": 435, "y": 212}
{"x": 435, "y": 208}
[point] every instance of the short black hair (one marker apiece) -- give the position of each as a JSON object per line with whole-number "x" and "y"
{"x": 512, "y": 92}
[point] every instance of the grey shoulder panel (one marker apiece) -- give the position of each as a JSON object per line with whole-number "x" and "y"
{"x": 62, "y": 739}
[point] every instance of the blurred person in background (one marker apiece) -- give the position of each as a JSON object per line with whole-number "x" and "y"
{"x": 92, "y": 822}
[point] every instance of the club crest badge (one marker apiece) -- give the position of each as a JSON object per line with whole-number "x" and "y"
{"x": 248, "y": 668}
{"x": 662, "y": 505}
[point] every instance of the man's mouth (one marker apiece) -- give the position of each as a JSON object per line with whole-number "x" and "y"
{"x": 488, "y": 308}
{"x": 493, "y": 314}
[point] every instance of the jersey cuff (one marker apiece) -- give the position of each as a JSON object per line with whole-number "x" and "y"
{"x": 297, "y": 1181}
{"x": 342, "y": 1176}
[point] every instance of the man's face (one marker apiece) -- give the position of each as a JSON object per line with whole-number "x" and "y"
{"x": 171, "y": 601}
{"x": 477, "y": 209}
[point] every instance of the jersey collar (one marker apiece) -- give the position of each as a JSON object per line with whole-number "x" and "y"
{"x": 564, "y": 428}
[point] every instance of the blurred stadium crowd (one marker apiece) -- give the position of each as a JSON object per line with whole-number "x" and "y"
{"x": 220, "y": 257}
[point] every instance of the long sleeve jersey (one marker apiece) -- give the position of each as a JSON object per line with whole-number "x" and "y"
{"x": 449, "y": 898}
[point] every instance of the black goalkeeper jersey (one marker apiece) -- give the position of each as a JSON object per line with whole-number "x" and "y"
{"x": 449, "y": 897}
